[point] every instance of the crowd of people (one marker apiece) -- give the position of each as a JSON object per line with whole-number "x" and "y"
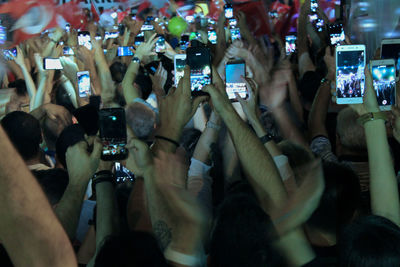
{"x": 283, "y": 177}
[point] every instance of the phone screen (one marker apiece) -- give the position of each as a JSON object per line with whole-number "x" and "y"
{"x": 111, "y": 35}
{"x": 350, "y": 78}
{"x": 122, "y": 174}
{"x": 147, "y": 27}
{"x": 290, "y": 44}
{"x": 212, "y": 37}
{"x": 336, "y": 33}
{"x": 84, "y": 39}
{"x": 234, "y": 82}
{"x": 13, "y": 51}
{"x": 228, "y": 11}
{"x": 139, "y": 39}
{"x": 67, "y": 51}
{"x": 384, "y": 79}
{"x": 160, "y": 45}
{"x": 52, "y": 64}
{"x": 198, "y": 58}
{"x": 184, "y": 43}
{"x": 113, "y": 133}
{"x": 84, "y": 83}
{"x": 232, "y": 23}
{"x": 180, "y": 63}
{"x": 314, "y": 6}
{"x": 3, "y": 34}
{"x": 392, "y": 51}
{"x": 235, "y": 34}
{"x": 125, "y": 51}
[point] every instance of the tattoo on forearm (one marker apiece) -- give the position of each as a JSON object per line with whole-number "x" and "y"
{"x": 163, "y": 234}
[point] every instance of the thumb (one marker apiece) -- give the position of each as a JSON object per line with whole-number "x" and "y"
{"x": 197, "y": 101}
{"x": 97, "y": 148}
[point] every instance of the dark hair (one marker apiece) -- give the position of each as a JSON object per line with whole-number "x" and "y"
{"x": 24, "y": 132}
{"x": 62, "y": 98}
{"x": 144, "y": 82}
{"x": 68, "y": 137}
{"x": 370, "y": 241}
{"x": 242, "y": 233}
{"x": 130, "y": 249}
{"x": 20, "y": 86}
{"x": 118, "y": 71}
{"x": 340, "y": 199}
{"x": 308, "y": 86}
{"x": 53, "y": 182}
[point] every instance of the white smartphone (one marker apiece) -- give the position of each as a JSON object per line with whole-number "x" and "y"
{"x": 179, "y": 67}
{"x": 84, "y": 39}
{"x": 52, "y": 64}
{"x": 390, "y": 48}
{"x": 234, "y": 70}
{"x": 384, "y": 80}
{"x": 83, "y": 83}
{"x": 350, "y": 78}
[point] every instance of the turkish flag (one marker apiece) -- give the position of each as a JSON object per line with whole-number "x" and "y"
{"x": 256, "y": 17}
{"x": 95, "y": 12}
{"x": 73, "y": 14}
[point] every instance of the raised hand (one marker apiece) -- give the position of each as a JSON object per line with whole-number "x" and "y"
{"x": 249, "y": 105}
{"x": 158, "y": 80}
{"x": 146, "y": 49}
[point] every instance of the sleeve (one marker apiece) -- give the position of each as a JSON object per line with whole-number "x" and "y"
{"x": 200, "y": 183}
{"x": 322, "y": 147}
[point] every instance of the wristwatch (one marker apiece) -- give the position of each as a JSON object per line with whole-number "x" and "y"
{"x": 371, "y": 116}
{"x": 136, "y": 59}
{"x": 266, "y": 138}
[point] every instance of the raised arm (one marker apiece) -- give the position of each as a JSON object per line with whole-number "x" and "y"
{"x": 29, "y": 230}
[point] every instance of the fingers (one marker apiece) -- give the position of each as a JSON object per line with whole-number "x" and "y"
{"x": 239, "y": 99}
{"x": 197, "y": 101}
{"x": 217, "y": 79}
{"x": 184, "y": 85}
{"x": 97, "y": 148}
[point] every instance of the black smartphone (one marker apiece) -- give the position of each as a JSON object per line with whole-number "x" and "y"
{"x": 113, "y": 134}
{"x": 336, "y": 33}
{"x": 228, "y": 11}
{"x": 124, "y": 51}
{"x": 67, "y": 51}
{"x": 122, "y": 174}
{"x": 152, "y": 67}
{"x": 234, "y": 71}
{"x": 160, "y": 44}
{"x": 199, "y": 61}
{"x": 139, "y": 39}
{"x": 184, "y": 43}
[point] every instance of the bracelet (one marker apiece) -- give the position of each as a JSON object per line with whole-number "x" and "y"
{"x": 180, "y": 258}
{"x": 266, "y": 138}
{"x": 167, "y": 139}
{"x": 212, "y": 125}
{"x": 324, "y": 80}
{"x": 103, "y": 176}
{"x": 371, "y": 116}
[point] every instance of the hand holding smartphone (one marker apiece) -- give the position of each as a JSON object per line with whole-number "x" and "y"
{"x": 52, "y": 64}
{"x": 84, "y": 84}
{"x": 234, "y": 71}
{"x": 179, "y": 67}
{"x": 384, "y": 82}
{"x": 199, "y": 61}
{"x": 390, "y": 48}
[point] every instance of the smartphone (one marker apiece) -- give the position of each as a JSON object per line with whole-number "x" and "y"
{"x": 3, "y": 34}
{"x": 122, "y": 174}
{"x": 319, "y": 24}
{"x": 113, "y": 134}
{"x": 232, "y": 23}
{"x": 152, "y": 67}
{"x": 212, "y": 36}
{"x": 111, "y": 35}
{"x": 147, "y": 27}
{"x": 199, "y": 61}
{"x": 179, "y": 67}
{"x": 83, "y": 83}
{"x": 384, "y": 80}
{"x": 67, "y": 27}
{"x": 189, "y": 19}
{"x": 336, "y": 33}
{"x": 98, "y": 37}
{"x": 124, "y": 51}
{"x": 160, "y": 44}
{"x": 139, "y": 39}
{"x": 84, "y": 39}
{"x": 234, "y": 70}
{"x": 52, "y": 64}
{"x": 6, "y": 53}
{"x": 228, "y": 11}
{"x": 290, "y": 44}
{"x": 390, "y": 48}
{"x": 314, "y": 6}
{"x": 235, "y": 34}
{"x": 67, "y": 51}
{"x": 184, "y": 43}
{"x": 350, "y": 78}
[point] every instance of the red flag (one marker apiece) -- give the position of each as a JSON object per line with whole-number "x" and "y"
{"x": 256, "y": 17}
{"x": 72, "y": 13}
{"x": 122, "y": 15}
{"x": 95, "y": 11}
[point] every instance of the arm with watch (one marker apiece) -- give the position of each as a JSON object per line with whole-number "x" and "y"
{"x": 383, "y": 184}
{"x": 145, "y": 49}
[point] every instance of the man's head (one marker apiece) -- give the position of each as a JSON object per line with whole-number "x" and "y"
{"x": 68, "y": 137}
{"x": 350, "y": 134}
{"x": 24, "y": 132}
{"x": 370, "y": 241}
{"x": 141, "y": 119}
{"x": 242, "y": 232}
{"x": 118, "y": 71}
{"x": 51, "y": 130}
{"x": 340, "y": 199}
{"x": 53, "y": 182}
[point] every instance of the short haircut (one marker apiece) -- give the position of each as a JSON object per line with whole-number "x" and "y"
{"x": 141, "y": 119}
{"x": 340, "y": 200}
{"x": 53, "y": 182}
{"x": 24, "y": 132}
{"x": 350, "y": 133}
{"x": 130, "y": 250}
{"x": 69, "y": 136}
{"x": 243, "y": 233}
{"x": 118, "y": 71}
{"x": 61, "y": 97}
{"x": 370, "y": 241}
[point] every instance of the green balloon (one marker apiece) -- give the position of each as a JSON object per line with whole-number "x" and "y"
{"x": 177, "y": 26}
